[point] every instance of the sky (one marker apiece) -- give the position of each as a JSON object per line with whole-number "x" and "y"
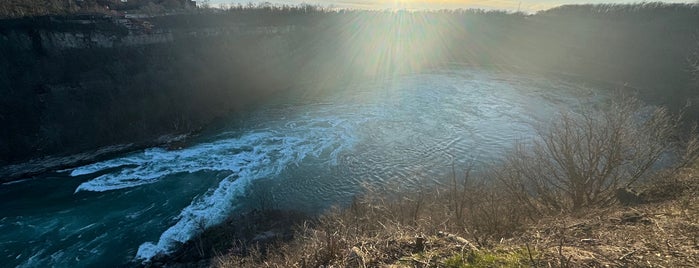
{"x": 511, "y": 5}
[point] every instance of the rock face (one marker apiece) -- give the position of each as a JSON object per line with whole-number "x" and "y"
{"x": 75, "y": 84}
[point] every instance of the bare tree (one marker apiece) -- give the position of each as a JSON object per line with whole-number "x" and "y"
{"x": 582, "y": 158}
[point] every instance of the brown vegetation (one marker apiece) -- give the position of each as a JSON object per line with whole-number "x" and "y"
{"x": 375, "y": 234}
{"x": 495, "y": 222}
{"x": 582, "y": 159}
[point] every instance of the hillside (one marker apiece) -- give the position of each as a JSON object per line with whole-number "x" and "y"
{"x": 419, "y": 230}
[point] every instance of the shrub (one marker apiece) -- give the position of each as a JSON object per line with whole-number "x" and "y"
{"x": 582, "y": 158}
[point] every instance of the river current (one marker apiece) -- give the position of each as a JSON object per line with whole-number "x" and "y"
{"x": 309, "y": 153}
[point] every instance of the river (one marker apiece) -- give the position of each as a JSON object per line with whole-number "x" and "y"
{"x": 309, "y": 153}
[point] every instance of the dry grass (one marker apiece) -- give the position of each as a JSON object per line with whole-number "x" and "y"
{"x": 377, "y": 233}
{"x": 553, "y": 205}
{"x": 663, "y": 234}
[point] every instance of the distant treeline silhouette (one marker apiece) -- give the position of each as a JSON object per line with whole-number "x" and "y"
{"x": 26, "y": 8}
{"x": 223, "y": 62}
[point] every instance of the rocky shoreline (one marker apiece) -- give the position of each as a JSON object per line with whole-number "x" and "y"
{"x": 35, "y": 167}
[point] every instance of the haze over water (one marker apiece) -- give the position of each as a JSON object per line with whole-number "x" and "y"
{"x": 308, "y": 153}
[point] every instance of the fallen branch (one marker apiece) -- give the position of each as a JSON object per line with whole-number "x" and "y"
{"x": 627, "y": 255}
{"x": 458, "y": 239}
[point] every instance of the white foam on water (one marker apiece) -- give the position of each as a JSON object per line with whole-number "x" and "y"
{"x": 34, "y": 260}
{"x": 153, "y": 164}
{"x": 270, "y": 156}
{"x": 264, "y": 153}
{"x": 99, "y": 166}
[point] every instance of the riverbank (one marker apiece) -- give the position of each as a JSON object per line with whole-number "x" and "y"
{"x": 420, "y": 230}
{"x": 55, "y": 163}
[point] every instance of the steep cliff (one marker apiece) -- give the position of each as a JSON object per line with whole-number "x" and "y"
{"x": 71, "y": 84}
